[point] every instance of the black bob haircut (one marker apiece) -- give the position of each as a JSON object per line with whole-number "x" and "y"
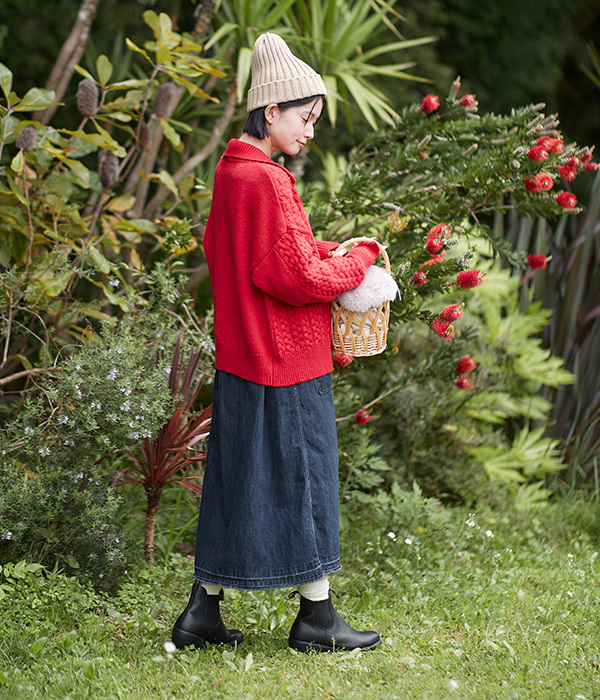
{"x": 256, "y": 124}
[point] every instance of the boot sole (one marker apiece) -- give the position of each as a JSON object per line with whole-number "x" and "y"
{"x": 313, "y": 646}
{"x": 182, "y": 639}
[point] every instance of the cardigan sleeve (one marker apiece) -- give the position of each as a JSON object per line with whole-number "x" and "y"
{"x": 324, "y": 248}
{"x": 291, "y": 269}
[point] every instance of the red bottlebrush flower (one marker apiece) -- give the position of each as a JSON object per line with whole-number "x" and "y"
{"x": 567, "y": 172}
{"x": 537, "y": 153}
{"x": 574, "y": 162}
{"x": 556, "y": 146}
{"x": 362, "y": 417}
{"x": 465, "y": 365}
{"x": 543, "y": 180}
{"x": 434, "y": 245}
{"x": 439, "y": 231}
{"x": 566, "y": 200}
{"x": 467, "y": 100}
{"x": 531, "y": 185}
{"x": 430, "y": 104}
{"x": 589, "y": 167}
{"x": 463, "y": 383}
{"x": 545, "y": 142}
{"x": 424, "y": 155}
{"x": 419, "y": 278}
{"x": 537, "y": 261}
{"x": 467, "y": 279}
{"x": 442, "y": 328}
{"x": 587, "y": 157}
{"x": 452, "y": 313}
{"x": 341, "y": 360}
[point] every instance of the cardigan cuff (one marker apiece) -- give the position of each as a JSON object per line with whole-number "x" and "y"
{"x": 366, "y": 251}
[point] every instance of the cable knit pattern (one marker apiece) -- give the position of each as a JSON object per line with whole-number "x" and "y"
{"x": 272, "y": 282}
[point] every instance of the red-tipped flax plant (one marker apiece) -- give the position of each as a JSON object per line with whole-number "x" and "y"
{"x": 178, "y": 445}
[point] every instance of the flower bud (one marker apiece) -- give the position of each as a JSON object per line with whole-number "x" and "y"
{"x": 362, "y": 417}
{"x": 27, "y": 139}
{"x": 164, "y": 97}
{"x": 87, "y": 98}
{"x": 144, "y": 135}
{"x": 108, "y": 168}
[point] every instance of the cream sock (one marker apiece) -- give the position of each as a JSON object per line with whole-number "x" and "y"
{"x": 210, "y": 589}
{"x": 316, "y": 590}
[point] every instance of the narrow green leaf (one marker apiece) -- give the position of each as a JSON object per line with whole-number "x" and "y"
{"x": 361, "y": 97}
{"x": 137, "y": 49}
{"x": 243, "y": 71}
{"x": 168, "y": 182}
{"x": 17, "y": 162}
{"x": 166, "y": 27}
{"x": 225, "y": 30}
{"x": 82, "y": 173}
{"x": 109, "y": 142}
{"x": 35, "y": 99}
{"x": 104, "y": 68}
{"x": 151, "y": 19}
{"x": 170, "y": 134}
{"x": 86, "y": 74}
{"x": 6, "y": 78}
{"x": 276, "y": 14}
{"x": 98, "y": 260}
{"x": 333, "y": 97}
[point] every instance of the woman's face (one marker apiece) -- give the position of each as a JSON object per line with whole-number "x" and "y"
{"x": 291, "y": 129}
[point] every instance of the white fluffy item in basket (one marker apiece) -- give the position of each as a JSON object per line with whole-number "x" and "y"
{"x": 376, "y": 288}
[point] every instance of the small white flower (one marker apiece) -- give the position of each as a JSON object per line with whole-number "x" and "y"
{"x": 63, "y": 420}
{"x": 169, "y": 647}
{"x": 7, "y": 536}
{"x": 408, "y": 540}
{"x": 168, "y": 370}
{"x": 489, "y": 533}
{"x": 44, "y": 451}
{"x": 114, "y": 283}
{"x": 28, "y": 430}
{"x": 392, "y": 535}
{"x": 453, "y": 685}
{"x": 112, "y": 374}
{"x": 471, "y": 520}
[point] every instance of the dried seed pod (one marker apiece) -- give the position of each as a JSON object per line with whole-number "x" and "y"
{"x": 108, "y": 168}
{"x": 144, "y": 135}
{"x": 87, "y": 97}
{"x": 164, "y": 97}
{"x": 27, "y": 139}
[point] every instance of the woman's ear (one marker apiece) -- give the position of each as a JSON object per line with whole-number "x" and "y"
{"x": 270, "y": 112}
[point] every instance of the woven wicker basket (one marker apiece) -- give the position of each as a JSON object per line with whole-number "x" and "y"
{"x": 360, "y": 334}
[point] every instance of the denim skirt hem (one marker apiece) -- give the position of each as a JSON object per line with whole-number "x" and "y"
{"x": 261, "y": 584}
{"x": 269, "y": 514}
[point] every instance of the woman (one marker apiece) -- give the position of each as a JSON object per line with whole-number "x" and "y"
{"x": 269, "y": 511}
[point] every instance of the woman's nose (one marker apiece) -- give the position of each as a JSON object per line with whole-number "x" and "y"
{"x": 309, "y": 130}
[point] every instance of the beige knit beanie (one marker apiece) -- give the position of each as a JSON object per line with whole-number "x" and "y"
{"x": 278, "y": 76}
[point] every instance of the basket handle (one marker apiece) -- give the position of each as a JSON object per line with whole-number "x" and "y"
{"x": 344, "y": 246}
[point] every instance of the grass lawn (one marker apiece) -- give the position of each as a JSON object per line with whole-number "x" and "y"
{"x": 484, "y": 605}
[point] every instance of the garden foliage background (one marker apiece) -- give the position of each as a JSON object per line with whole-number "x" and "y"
{"x": 488, "y": 391}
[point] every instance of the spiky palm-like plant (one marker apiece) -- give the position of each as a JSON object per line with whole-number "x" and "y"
{"x": 178, "y": 445}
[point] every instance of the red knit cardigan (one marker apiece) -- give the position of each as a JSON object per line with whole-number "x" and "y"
{"x": 272, "y": 283}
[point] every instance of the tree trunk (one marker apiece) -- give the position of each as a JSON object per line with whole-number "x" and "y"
{"x": 153, "y": 494}
{"x": 68, "y": 57}
{"x": 153, "y": 207}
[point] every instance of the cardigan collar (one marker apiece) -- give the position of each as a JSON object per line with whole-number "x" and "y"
{"x": 240, "y": 150}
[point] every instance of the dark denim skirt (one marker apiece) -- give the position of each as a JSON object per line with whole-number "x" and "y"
{"x": 269, "y": 515}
